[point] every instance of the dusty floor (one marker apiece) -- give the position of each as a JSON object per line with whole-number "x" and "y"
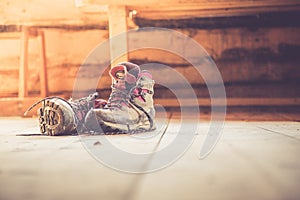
{"x": 252, "y": 160}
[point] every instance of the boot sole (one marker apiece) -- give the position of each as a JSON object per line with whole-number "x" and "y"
{"x": 52, "y": 119}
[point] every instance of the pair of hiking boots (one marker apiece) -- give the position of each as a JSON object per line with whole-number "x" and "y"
{"x": 129, "y": 108}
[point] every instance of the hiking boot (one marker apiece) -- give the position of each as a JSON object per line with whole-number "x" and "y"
{"x": 58, "y": 116}
{"x": 130, "y": 106}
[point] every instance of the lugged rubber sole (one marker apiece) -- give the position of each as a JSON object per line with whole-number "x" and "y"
{"x": 54, "y": 119}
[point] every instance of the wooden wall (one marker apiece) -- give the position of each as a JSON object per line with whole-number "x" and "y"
{"x": 247, "y": 58}
{"x": 65, "y": 49}
{"x": 256, "y": 51}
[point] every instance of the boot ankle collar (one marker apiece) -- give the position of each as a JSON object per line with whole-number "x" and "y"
{"x": 129, "y": 78}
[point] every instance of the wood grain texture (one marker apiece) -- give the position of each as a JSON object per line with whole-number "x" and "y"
{"x": 23, "y": 71}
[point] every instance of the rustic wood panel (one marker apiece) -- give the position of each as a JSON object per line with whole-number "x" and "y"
{"x": 43, "y": 68}
{"x": 171, "y": 13}
{"x": 230, "y": 102}
{"x": 187, "y": 9}
{"x": 217, "y": 42}
{"x": 205, "y": 4}
{"x": 23, "y": 70}
{"x": 255, "y": 20}
{"x": 56, "y": 12}
{"x": 65, "y": 52}
{"x": 118, "y": 26}
{"x": 250, "y": 49}
{"x": 242, "y": 56}
{"x": 17, "y": 106}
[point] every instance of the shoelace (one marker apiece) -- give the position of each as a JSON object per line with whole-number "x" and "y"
{"x": 117, "y": 97}
{"x": 80, "y": 107}
{"x": 138, "y": 88}
{"x": 43, "y": 100}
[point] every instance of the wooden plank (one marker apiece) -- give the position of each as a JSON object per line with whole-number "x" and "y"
{"x": 37, "y": 12}
{"x": 232, "y": 102}
{"x": 23, "y": 71}
{"x": 201, "y": 3}
{"x": 9, "y": 35}
{"x": 200, "y": 8}
{"x": 17, "y": 106}
{"x": 188, "y": 12}
{"x": 43, "y": 66}
{"x": 118, "y": 27}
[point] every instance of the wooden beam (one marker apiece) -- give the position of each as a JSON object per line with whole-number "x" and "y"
{"x": 41, "y": 12}
{"x": 10, "y": 35}
{"x": 43, "y": 66}
{"x": 17, "y": 107}
{"x": 253, "y": 20}
{"x": 231, "y": 102}
{"x": 189, "y": 12}
{"x": 192, "y": 3}
{"x": 161, "y": 9}
{"x": 118, "y": 27}
{"x": 23, "y": 71}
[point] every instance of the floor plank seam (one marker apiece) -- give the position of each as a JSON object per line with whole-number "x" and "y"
{"x": 133, "y": 188}
{"x": 279, "y": 133}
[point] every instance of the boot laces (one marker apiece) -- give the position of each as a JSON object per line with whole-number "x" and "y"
{"x": 81, "y": 106}
{"x": 118, "y": 97}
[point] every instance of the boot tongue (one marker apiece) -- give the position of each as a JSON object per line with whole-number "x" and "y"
{"x": 125, "y": 77}
{"x": 120, "y": 74}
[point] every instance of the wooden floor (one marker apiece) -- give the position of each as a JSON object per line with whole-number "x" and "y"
{"x": 254, "y": 159}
